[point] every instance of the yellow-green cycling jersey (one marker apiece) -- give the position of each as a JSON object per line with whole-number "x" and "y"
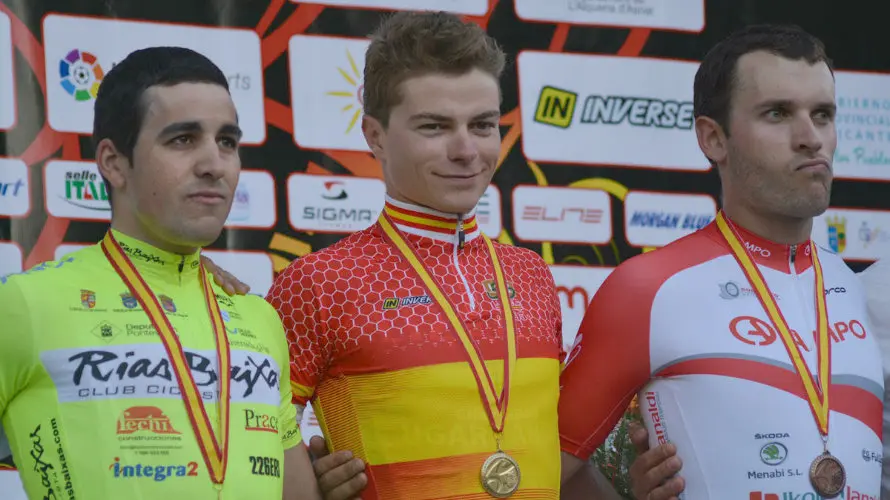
{"x": 88, "y": 397}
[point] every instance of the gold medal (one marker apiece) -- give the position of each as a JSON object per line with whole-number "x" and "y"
{"x": 500, "y": 475}
{"x": 828, "y": 476}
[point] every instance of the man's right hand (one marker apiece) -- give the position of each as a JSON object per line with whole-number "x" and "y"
{"x": 340, "y": 476}
{"x": 652, "y": 473}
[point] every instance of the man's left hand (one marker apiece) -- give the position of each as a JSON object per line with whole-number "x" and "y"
{"x": 223, "y": 278}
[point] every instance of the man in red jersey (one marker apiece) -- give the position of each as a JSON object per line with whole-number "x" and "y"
{"x": 429, "y": 352}
{"x": 727, "y": 335}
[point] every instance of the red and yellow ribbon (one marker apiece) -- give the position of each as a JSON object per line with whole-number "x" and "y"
{"x": 817, "y": 397}
{"x": 495, "y": 404}
{"x": 214, "y": 450}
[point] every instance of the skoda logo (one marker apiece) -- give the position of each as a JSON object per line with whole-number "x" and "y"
{"x": 773, "y": 453}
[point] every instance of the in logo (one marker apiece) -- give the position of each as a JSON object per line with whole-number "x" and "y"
{"x": 167, "y": 303}
{"x": 837, "y": 233}
{"x": 129, "y": 301}
{"x": 352, "y": 76}
{"x": 80, "y": 75}
{"x": 773, "y": 453}
{"x": 556, "y": 107}
{"x": 391, "y": 303}
{"x": 88, "y": 299}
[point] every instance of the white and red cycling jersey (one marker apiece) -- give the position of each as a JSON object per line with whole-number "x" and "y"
{"x": 682, "y": 328}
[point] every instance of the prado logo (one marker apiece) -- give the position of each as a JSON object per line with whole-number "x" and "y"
{"x": 80, "y": 75}
{"x": 837, "y": 233}
{"x": 353, "y": 97}
{"x": 254, "y": 421}
{"x": 157, "y": 473}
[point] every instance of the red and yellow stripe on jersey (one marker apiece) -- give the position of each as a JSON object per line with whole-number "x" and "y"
{"x": 391, "y": 382}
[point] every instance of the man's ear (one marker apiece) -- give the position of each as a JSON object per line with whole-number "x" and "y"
{"x": 374, "y": 133}
{"x": 113, "y": 165}
{"x": 711, "y": 139}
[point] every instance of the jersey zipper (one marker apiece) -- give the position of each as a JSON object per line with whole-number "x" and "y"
{"x": 181, "y": 266}
{"x": 807, "y": 315}
{"x": 459, "y": 244}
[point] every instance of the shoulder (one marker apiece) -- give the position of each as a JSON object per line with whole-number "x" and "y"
{"x": 46, "y": 276}
{"x": 519, "y": 257}
{"x": 643, "y": 275}
{"x": 345, "y": 253}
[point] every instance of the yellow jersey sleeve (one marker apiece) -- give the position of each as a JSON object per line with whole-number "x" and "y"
{"x": 287, "y": 412}
{"x": 17, "y": 357}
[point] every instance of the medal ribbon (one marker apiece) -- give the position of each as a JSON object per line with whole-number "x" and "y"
{"x": 818, "y": 399}
{"x": 215, "y": 451}
{"x": 495, "y": 405}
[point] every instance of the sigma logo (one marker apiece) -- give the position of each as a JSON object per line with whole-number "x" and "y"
{"x": 763, "y": 252}
{"x": 772, "y": 435}
{"x": 656, "y": 415}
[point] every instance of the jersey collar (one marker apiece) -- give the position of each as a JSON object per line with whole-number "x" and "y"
{"x": 779, "y": 256}
{"x": 428, "y": 223}
{"x": 153, "y": 261}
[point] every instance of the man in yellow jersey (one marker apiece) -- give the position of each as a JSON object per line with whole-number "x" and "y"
{"x": 124, "y": 372}
{"x": 429, "y": 352}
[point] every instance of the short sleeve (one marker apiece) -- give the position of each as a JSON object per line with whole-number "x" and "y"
{"x": 294, "y": 296}
{"x": 607, "y": 365}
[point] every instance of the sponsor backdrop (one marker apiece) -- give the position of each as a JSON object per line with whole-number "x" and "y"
{"x": 598, "y": 163}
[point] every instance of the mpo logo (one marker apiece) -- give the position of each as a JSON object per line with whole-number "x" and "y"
{"x": 80, "y": 74}
{"x": 755, "y": 249}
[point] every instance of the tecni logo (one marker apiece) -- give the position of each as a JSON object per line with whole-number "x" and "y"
{"x": 80, "y": 74}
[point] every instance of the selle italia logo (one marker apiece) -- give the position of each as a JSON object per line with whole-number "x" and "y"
{"x": 87, "y": 190}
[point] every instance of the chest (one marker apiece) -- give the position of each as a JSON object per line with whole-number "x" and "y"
{"x": 714, "y": 312}
{"x": 385, "y": 309}
{"x": 106, "y": 347}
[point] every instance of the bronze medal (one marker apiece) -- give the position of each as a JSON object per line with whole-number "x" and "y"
{"x": 828, "y": 476}
{"x": 500, "y": 475}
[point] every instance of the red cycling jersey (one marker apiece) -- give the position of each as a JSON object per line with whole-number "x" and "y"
{"x": 388, "y": 378}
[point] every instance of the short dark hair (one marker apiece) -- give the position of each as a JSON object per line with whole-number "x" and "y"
{"x": 409, "y": 44}
{"x": 120, "y": 107}
{"x": 716, "y": 76}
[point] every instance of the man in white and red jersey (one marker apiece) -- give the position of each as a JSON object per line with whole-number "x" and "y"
{"x": 429, "y": 352}
{"x": 729, "y": 336}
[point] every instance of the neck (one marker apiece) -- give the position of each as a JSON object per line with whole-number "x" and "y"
{"x": 404, "y": 200}
{"x": 136, "y": 231}
{"x": 430, "y": 223}
{"x": 775, "y": 228}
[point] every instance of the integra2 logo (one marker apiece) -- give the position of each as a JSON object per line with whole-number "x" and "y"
{"x": 148, "y": 373}
{"x": 156, "y": 472}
